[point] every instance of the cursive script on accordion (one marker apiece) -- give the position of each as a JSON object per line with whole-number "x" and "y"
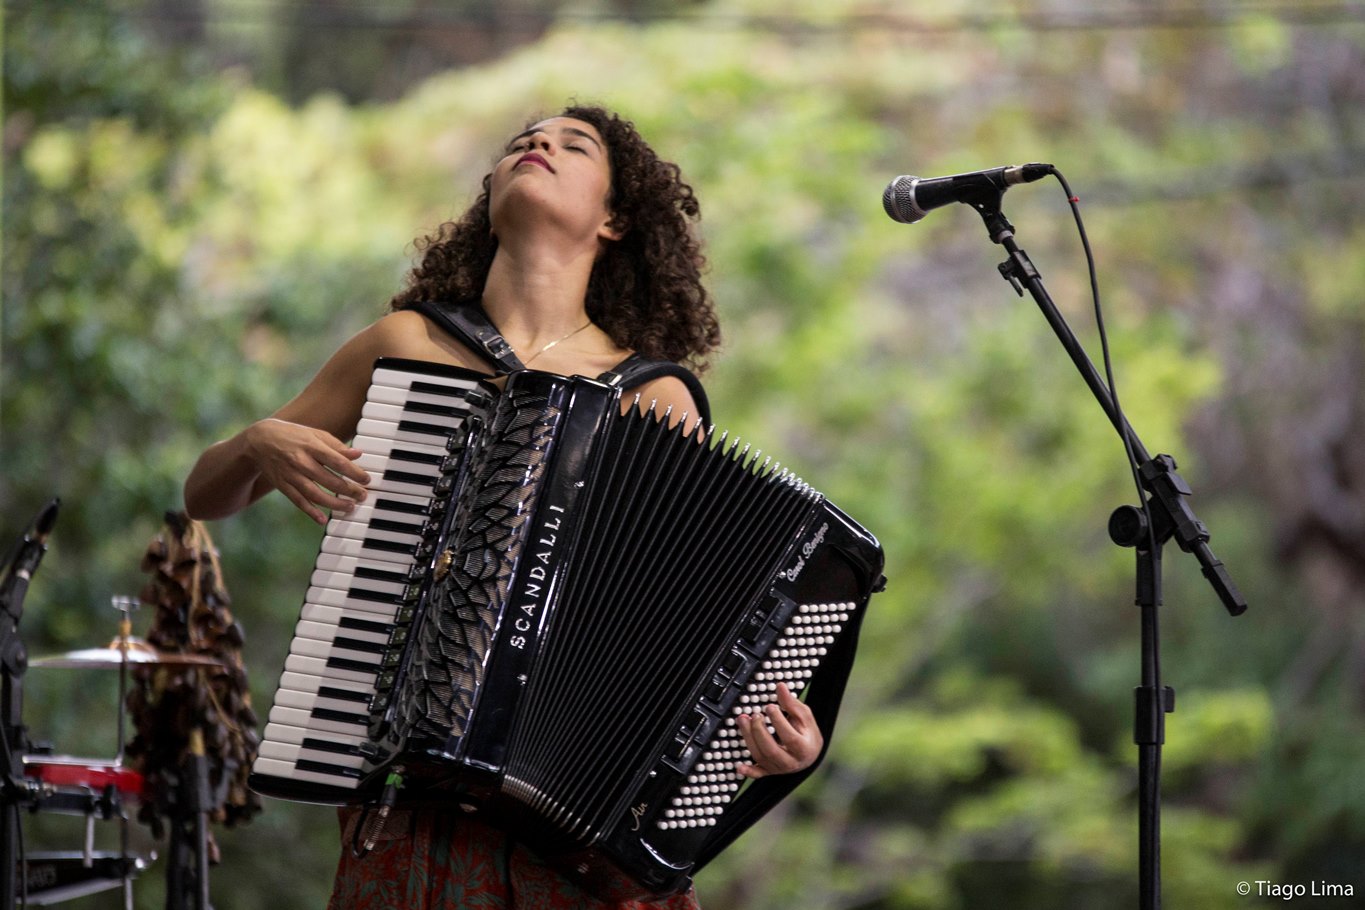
{"x": 552, "y": 611}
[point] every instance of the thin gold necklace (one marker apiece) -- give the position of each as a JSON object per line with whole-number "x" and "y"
{"x": 527, "y": 361}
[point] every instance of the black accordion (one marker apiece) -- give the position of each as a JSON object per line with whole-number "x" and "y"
{"x": 552, "y": 611}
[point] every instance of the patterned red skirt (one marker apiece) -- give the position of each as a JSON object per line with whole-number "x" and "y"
{"x": 438, "y": 859}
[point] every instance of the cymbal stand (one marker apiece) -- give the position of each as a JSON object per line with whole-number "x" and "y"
{"x": 125, "y": 606}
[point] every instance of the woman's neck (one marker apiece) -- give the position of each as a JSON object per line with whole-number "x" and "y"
{"x": 534, "y": 296}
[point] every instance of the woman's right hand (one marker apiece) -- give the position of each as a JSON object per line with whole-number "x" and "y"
{"x": 298, "y": 450}
{"x": 311, "y": 467}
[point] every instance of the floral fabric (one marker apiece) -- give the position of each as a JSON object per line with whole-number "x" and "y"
{"x": 439, "y": 859}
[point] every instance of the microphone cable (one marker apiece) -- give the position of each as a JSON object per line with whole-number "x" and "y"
{"x": 1075, "y": 203}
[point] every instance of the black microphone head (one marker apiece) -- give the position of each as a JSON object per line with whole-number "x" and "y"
{"x": 899, "y": 200}
{"x": 46, "y": 518}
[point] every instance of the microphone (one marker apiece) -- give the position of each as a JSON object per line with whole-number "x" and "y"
{"x": 29, "y": 553}
{"x": 908, "y": 199}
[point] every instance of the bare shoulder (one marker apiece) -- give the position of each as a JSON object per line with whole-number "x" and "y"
{"x": 665, "y": 394}
{"x": 667, "y": 391}
{"x": 410, "y": 335}
{"x": 333, "y": 399}
{"x": 402, "y": 324}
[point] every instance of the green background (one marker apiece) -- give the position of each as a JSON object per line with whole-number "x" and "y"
{"x": 203, "y": 199}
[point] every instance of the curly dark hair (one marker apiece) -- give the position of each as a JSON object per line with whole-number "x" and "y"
{"x": 645, "y": 290}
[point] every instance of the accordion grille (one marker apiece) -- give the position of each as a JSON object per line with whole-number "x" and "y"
{"x": 681, "y": 538}
{"x": 453, "y": 646}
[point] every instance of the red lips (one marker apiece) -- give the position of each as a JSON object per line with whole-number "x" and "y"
{"x": 533, "y": 158}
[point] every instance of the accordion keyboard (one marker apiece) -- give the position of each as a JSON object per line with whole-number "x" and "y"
{"x": 364, "y": 583}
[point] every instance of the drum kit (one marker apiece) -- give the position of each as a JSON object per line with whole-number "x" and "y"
{"x": 105, "y": 790}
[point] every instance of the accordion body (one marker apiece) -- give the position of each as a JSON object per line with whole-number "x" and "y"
{"x": 582, "y": 603}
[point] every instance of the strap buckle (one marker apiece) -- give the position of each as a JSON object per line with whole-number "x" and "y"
{"x": 495, "y": 345}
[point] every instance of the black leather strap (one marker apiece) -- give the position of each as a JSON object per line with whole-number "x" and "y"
{"x": 472, "y": 327}
{"x": 636, "y": 370}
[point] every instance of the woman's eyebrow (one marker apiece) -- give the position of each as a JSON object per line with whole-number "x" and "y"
{"x": 588, "y": 136}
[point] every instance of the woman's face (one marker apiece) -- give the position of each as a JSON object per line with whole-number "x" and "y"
{"x": 557, "y": 171}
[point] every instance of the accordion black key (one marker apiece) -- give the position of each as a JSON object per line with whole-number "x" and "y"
{"x": 563, "y": 629}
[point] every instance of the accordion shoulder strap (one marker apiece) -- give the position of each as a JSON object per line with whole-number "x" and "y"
{"x": 470, "y": 325}
{"x": 637, "y": 369}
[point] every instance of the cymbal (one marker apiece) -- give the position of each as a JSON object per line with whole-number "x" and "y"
{"x": 132, "y": 652}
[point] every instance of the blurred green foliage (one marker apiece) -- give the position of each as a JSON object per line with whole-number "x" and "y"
{"x": 182, "y": 249}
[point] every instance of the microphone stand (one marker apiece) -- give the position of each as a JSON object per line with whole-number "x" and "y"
{"x": 1129, "y": 526}
{"x": 14, "y": 793}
